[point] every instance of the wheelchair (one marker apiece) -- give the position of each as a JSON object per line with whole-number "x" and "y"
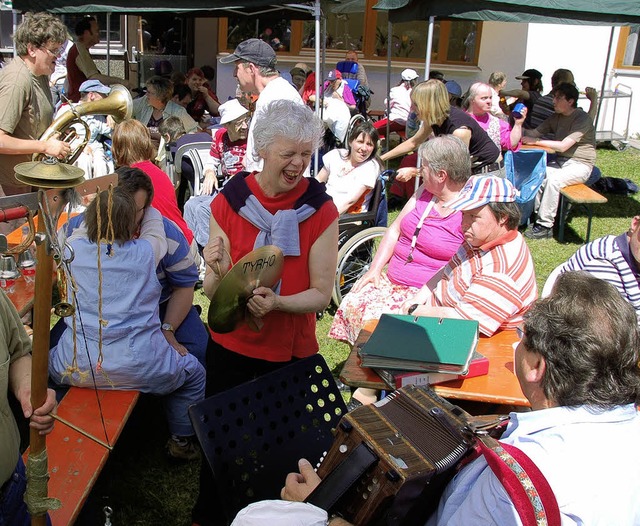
{"x": 358, "y": 239}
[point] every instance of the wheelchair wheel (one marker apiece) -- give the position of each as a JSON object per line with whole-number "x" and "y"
{"x": 354, "y": 259}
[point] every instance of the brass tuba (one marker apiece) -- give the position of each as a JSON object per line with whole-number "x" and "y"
{"x": 118, "y": 104}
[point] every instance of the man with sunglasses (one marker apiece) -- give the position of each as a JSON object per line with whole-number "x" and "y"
{"x": 26, "y": 108}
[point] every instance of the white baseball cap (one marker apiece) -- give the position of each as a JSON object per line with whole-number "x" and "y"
{"x": 409, "y": 74}
{"x": 231, "y": 110}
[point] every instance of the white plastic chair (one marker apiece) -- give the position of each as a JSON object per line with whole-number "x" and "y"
{"x": 548, "y": 285}
{"x": 198, "y": 154}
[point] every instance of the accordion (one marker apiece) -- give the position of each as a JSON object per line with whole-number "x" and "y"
{"x": 391, "y": 460}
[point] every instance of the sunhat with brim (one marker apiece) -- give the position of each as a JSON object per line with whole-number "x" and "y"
{"x": 481, "y": 190}
{"x": 231, "y": 110}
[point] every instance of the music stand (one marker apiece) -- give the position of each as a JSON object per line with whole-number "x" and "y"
{"x": 253, "y": 435}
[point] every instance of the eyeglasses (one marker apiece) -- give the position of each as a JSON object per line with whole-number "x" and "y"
{"x": 54, "y": 52}
{"x": 520, "y": 332}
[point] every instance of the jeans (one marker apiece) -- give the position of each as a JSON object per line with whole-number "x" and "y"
{"x": 13, "y": 510}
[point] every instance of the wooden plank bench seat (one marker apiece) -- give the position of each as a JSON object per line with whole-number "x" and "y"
{"x": 75, "y": 461}
{"x": 579, "y": 194}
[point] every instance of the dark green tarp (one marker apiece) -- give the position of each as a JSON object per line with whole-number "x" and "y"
{"x": 195, "y": 7}
{"x": 609, "y": 12}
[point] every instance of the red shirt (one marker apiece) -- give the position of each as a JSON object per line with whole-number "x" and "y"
{"x": 284, "y": 335}
{"x": 164, "y": 196}
{"x": 75, "y": 77}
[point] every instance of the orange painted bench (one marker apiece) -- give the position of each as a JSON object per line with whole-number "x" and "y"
{"x": 75, "y": 461}
{"x": 579, "y": 194}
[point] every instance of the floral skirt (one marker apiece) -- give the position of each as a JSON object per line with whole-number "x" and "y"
{"x": 368, "y": 304}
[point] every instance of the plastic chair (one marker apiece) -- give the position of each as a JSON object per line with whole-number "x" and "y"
{"x": 551, "y": 280}
{"x": 197, "y": 154}
{"x": 253, "y": 435}
{"x": 526, "y": 169}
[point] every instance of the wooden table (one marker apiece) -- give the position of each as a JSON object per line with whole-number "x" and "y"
{"x": 537, "y": 147}
{"x": 500, "y": 386}
{"x": 23, "y": 295}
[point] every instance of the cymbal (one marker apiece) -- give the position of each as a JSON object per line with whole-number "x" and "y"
{"x": 49, "y": 173}
{"x": 261, "y": 267}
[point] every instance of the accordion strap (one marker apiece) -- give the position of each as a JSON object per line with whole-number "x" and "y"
{"x": 524, "y": 482}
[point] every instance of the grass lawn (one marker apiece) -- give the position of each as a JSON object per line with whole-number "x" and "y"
{"x": 146, "y": 489}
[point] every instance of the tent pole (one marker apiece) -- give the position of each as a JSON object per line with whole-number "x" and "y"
{"x": 604, "y": 78}
{"x": 14, "y": 15}
{"x": 108, "y": 43}
{"x": 389, "y": 36}
{"x": 427, "y": 60}
{"x": 319, "y": 40}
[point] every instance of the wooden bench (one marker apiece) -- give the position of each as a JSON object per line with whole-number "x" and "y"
{"x": 579, "y": 194}
{"x": 75, "y": 461}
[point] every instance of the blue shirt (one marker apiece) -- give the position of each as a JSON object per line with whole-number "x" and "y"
{"x": 591, "y": 460}
{"x": 177, "y": 268}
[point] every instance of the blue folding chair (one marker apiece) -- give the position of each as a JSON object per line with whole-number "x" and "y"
{"x": 526, "y": 169}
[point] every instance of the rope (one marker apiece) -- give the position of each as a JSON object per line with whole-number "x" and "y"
{"x": 35, "y": 495}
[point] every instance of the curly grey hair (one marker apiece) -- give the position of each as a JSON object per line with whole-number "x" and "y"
{"x": 39, "y": 30}
{"x": 288, "y": 120}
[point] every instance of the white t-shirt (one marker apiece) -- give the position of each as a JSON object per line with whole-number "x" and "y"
{"x": 277, "y": 89}
{"x": 343, "y": 178}
{"x": 399, "y": 104}
{"x": 336, "y": 116}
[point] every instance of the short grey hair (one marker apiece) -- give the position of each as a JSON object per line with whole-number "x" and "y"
{"x": 448, "y": 153}
{"x": 285, "y": 119}
{"x": 588, "y": 334}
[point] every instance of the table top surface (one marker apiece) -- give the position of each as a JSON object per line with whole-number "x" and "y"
{"x": 23, "y": 295}
{"x": 500, "y": 386}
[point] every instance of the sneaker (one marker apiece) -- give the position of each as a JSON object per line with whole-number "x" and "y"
{"x": 539, "y": 232}
{"x": 182, "y": 448}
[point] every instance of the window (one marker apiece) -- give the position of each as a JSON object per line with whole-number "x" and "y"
{"x": 628, "y": 51}
{"x": 6, "y": 29}
{"x": 274, "y": 28}
{"x": 116, "y": 25}
{"x": 355, "y": 25}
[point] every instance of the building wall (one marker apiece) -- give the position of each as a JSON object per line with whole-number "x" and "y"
{"x": 512, "y": 48}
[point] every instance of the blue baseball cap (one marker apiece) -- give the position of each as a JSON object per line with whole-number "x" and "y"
{"x": 95, "y": 86}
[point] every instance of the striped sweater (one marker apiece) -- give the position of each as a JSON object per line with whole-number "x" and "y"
{"x": 494, "y": 284}
{"x": 604, "y": 259}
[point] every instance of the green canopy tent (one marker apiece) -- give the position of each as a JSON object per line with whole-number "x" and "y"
{"x": 587, "y": 12}
{"x": 249, "y": 8}
{"x": 618, "y": 12}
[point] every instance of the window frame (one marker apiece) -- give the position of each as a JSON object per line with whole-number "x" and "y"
{"x": 439, "y": 57}
{"x": 621, "y": 49}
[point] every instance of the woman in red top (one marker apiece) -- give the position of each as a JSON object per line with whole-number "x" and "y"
{"x": 296, "y": 214}
{"x": 132, "y": 146}
{"x": 202, "y": 98}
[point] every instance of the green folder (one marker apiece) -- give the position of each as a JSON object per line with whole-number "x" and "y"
{"x": 421, "y": 343}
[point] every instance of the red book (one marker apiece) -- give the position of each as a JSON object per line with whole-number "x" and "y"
{"x": 478, "y": 366}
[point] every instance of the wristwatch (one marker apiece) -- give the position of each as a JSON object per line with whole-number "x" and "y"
{"x": 167, "y": 327}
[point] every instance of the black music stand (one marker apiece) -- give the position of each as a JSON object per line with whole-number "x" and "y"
{"x": 253, "y": 435}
